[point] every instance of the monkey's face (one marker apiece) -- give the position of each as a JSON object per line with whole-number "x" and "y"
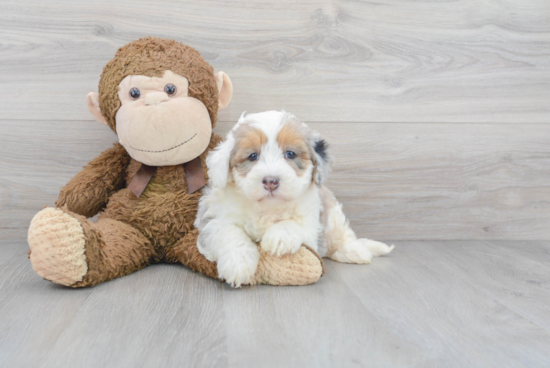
{"x": 158, "y": 123}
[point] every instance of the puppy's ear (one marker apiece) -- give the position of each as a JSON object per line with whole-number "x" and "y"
{"x": 322, "y": 159}
{"x": 218, "y": 162}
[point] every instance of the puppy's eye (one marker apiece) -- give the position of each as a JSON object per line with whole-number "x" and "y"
{"x": 135, "y": 93}
{"x": 170, "y": 89}
{"x": 290, "y": 155}
{"x": 253, "y": 157}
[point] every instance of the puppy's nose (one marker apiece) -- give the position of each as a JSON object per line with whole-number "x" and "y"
{"x": 270, "y": 183}
{"x": 153, "y": 98}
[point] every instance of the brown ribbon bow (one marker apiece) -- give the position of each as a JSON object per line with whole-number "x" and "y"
{"x": 194, "y": 174}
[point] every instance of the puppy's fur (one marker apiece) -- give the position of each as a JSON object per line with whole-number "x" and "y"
{"x": 260, "y": 193}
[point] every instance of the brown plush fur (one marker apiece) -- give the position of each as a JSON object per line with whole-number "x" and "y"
{"x": 133, "y": 232}
{"x": 151, "y": 57}
{"x": 113, "y": 249}
{"x": 89, "y": 191}
{"x": 158, "y": 226}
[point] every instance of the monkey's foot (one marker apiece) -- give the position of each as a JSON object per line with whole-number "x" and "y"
{"x": 301, "y": 268}
{"x": 57, "y": 247}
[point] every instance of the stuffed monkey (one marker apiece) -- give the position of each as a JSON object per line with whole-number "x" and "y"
{"x": 161, "y": 98}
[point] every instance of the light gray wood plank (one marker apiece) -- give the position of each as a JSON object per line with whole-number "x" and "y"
{"x": 452, "y": 310}
{"x": 321, "y": 325}
{"x": 396, "y": 181}
{"x": 538, "y": 252}
{"x": 505, "y": 271}
{"x": 164, "y": 315}
{"x": 428, "y": 304}
{"x": 330, "y": 60}
{"x": 38, "y": 159}
{"x": 33, "y": 312}
{"x": 443, "y": 181}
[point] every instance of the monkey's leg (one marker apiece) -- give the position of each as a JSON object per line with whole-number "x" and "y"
{"x": 302, "y": 268}
{"x": 70, "y": 250}
{"x": 186, "y": 252}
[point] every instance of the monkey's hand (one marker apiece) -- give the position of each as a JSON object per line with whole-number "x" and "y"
{"x": 89, "y": 191}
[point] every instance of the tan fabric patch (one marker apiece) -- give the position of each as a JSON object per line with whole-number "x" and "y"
{"x": 302, "y": 268}
{"x": 57, "y": 247}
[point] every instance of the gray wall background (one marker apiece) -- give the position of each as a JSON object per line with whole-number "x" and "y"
{"x": 437, "y": 111}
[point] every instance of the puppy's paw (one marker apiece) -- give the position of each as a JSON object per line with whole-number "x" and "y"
{"x": 282, "y": 238}
{"x": 238, "y": 267}
{"x": 360, "y": 251}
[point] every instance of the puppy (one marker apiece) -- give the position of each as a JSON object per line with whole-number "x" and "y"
{"x": 266, "y": 187}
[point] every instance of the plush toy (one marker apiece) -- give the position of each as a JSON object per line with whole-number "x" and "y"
{"x": 161, "y": 98}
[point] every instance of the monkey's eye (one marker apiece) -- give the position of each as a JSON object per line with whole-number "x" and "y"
{"x": 290, "y": 155}
{"x": 170, "y": 89}
{"x": 253, "y": 157}
{"x": 135, "y": 93}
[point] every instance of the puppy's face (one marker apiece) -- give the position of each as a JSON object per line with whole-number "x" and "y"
{"x": 272, "y": 156}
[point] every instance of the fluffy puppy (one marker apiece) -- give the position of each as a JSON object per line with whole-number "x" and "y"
{"x": 266, "y": 187}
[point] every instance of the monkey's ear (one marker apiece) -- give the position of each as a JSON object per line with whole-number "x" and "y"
{"x": 225, "y": 89}
{"x": 92, "y": 101}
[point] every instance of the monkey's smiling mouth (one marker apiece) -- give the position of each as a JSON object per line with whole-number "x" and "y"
{"x": 164, "y": 150}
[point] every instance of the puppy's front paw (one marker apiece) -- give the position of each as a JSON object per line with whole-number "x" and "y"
{"x": 360, "y": 251}
{"x": 281, "y": 239}
{"x": 238, "y": 266}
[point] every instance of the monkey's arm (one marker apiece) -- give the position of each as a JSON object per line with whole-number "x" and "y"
{"x": 89, "y": 191}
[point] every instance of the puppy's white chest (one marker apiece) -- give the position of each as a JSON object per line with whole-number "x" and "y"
{"x": 258, "y": 224}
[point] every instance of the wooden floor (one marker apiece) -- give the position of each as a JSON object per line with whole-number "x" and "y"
{"x": 428, "y": 304}
{"x": 438, "y": 113}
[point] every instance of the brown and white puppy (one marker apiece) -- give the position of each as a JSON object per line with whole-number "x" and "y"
{"x": 266, "y": 187}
